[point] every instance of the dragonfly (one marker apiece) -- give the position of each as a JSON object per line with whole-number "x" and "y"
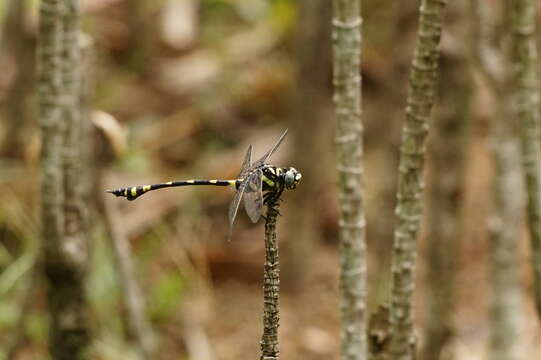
{"x": 257, "y": 183}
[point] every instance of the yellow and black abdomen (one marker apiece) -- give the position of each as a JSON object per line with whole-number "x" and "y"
{"x": 132, "y": 193}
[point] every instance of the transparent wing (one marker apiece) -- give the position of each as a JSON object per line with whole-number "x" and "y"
{"x": 246, "y": 163}
{"x": 269, "y": 153}
{"x": 253, "y": 196}
{"x": 234, "y": 206}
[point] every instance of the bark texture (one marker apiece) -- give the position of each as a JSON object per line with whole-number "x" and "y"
{"x": 271, "y": 288}
{"x": 349, "y": 147}
{"x": 62, "y": 212}
{"x": 423, "y": 81}
{"x": 525, "y": 62}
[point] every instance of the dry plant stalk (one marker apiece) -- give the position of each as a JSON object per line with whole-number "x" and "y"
{"x": 421, "y": 93}
{"x": 63, "y": 217}
{"x": 525, "y": 59}
{"x": 271, "y": 287}
{"x": 132, "y": 297}
{"x": 349, "y": 130}
{"x": 505, "y": 223}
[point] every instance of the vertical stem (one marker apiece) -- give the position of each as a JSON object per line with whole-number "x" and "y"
{"x": 423, "y": 80}
{"x": 271, "y": 288}
{"x": 504, "y": 232}
{"x": 63, "y": 218}
{"x": 525, "y": 61}
{"x": 49, "y": 88}
{"x": 349, "y": 131}
{"x": 75, "y": 211}
{"x": 133, "y": 299}
{"x": 49, "y": 91}
{"x": 447, "y": 160}
{"x": 508, "y": 204}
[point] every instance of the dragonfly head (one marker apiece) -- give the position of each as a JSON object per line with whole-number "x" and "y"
{"x": 291, "y": 178}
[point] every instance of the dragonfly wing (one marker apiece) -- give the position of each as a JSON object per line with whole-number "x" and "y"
{"x": 234, "y": 206}
{"x": 253, "y": 196}
{"x": 246, "y": 164}
{"x": 269, "y": 153}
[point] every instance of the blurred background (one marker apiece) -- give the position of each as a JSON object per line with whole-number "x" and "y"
{"x": 180, "y": 88}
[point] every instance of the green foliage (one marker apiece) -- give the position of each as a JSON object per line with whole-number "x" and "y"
{"x": 36, "y": 328}
{"x": 8, "y": 312}
{"x": 223, "y": 16}
{"x": 166, "y": 296}
{"x": 283, "y": 14}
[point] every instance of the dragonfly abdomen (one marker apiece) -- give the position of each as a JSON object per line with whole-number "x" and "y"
{"x": 133, "y": 192}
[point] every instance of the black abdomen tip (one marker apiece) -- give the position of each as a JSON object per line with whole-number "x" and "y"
{"x": 122, "y": 193}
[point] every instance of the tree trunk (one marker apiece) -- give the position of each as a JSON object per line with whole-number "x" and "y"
{"x": 349, "y": 143}
{"x": 423, "y": 81}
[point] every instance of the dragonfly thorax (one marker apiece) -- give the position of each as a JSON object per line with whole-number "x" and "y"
{"x": 276, "y": 178}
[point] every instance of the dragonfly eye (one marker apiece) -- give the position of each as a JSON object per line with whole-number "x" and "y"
{"x": 291, "y": 178}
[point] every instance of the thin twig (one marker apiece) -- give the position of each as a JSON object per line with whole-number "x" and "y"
{"x": 138, "y": 325}
{"x": 271, "y": 287}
